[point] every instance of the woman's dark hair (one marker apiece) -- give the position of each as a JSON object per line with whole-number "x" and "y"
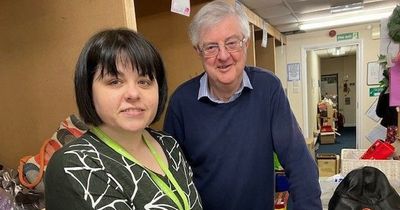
{"x": 101, "y": 53}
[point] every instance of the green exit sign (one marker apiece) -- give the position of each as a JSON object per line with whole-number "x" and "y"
{"x": 347, "y": 36}
{"x": 375, "y": 91}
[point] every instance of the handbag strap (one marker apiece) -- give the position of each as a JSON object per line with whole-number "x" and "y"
{"x": 21, "y": 175}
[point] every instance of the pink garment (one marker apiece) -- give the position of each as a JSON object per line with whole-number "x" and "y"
{"x": 394, "y": 84}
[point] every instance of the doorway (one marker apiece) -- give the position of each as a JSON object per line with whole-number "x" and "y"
{"x": 313, "y": 59}
{"x": 338, "y": 76}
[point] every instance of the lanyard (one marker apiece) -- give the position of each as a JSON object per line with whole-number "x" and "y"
{"x": 160, "y": 183}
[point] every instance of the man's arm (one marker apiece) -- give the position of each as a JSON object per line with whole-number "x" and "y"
{"x": 290, "y": 146}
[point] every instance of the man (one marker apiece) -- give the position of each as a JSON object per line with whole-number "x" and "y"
{"x": 230, "y": 119}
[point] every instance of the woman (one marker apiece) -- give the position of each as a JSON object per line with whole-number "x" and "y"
{"x": 120, "y": 163}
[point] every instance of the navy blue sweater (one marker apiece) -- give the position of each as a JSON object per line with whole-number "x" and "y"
{"x": 230, "y": 146}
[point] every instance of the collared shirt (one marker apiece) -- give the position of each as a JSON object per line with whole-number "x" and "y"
{"x": 204, "y": 90}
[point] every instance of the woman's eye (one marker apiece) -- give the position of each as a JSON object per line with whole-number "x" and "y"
{"x": 114, "y": 82}
{"x": 145, "y": 82}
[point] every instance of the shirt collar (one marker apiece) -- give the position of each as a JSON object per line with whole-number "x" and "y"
{"x": 204, "y": 90}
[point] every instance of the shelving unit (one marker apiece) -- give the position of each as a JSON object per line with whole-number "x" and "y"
{"x": 327, "y": 118}
{"x": 44, "y": 39}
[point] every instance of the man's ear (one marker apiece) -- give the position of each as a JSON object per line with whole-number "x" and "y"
{"x": 197, "y": 50}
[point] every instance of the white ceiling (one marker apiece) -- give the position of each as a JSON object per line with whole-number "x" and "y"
{"x": 287, "y": 15}
{"x": 336, "y": 51}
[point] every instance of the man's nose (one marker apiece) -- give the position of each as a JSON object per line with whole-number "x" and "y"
{"x": 222, "y": 52}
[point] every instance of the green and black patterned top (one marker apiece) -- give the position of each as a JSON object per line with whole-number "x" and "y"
{"x": 87, "y": 174}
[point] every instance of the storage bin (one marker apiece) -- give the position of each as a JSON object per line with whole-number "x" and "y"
{"x": 350, "y": 159}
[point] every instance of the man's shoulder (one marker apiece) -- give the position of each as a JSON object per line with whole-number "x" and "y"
{"x": 191, "y": 83}
{"x": 259, "y": 76}
{"x": 188, "y": 89}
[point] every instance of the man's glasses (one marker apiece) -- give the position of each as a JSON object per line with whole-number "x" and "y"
{"x": 211, "y": 50}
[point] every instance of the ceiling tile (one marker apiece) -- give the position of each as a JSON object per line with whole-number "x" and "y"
{"x": 277, "y": 13}
{"x": 256, "y": 4}
{"x": 270, "y": 12}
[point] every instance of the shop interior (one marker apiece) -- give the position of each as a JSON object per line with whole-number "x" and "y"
{"x": 333, "y": 92}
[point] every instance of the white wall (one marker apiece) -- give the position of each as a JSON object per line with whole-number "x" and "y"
{"x": 345, "y": 67}
{"x": 369, "y": 52}
{"x": 313, "y": 96}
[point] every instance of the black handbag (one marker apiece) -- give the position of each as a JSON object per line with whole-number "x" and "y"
{"x": 365, "y": 188}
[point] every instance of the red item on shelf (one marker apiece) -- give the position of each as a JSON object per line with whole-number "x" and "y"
{"x": 379, "y": 150}
{"x": 281, "y": 199}
{"x": 326, "y": 128}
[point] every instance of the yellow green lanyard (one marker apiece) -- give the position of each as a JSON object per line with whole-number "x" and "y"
{"x": 164, "y": 187}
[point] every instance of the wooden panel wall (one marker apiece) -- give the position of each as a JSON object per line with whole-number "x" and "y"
{"x": 39, "y": 44}
{"x": 181, "y": 60}
{"x": 168, "y": 32}
{"x": 251, "y": 50}
{"x": 265, "y": 57}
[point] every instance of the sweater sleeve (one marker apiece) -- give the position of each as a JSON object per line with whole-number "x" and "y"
{"x": 290, "y": 146}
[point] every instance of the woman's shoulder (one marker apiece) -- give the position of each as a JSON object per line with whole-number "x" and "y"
{"x": 83, "y": 146}
{"x": 164, "y": 139}
{"x": 161, "y": 135}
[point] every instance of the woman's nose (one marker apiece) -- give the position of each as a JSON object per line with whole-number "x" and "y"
{"x": 132, "y": 92}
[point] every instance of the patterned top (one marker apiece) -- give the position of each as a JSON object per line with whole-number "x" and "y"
{"x": 87, "y": 174}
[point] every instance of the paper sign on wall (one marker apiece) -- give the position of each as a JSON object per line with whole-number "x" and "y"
{"x": 394, "y": 84}
{"x": 181, "y": 7}
{"x": 293, "y": 71}
{"x": 264, "y": 41}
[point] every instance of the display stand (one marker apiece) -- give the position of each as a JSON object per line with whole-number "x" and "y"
{"x": 327, "y": 122}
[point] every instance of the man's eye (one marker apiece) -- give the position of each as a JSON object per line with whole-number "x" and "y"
{"x": 231, "y": 43}
{"x": 210, "y": 47}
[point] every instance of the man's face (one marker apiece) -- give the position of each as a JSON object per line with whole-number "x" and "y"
{"x": 225, "y": 68}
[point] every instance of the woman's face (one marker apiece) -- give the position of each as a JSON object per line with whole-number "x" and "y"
{"x": 125, "y": 103}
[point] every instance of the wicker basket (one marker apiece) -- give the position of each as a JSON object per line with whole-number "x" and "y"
{"x": 350, "y": 159}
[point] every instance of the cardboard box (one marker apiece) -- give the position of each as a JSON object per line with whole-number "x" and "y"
{"x": 311, "y": 146}
{"x": 328, "y": 164}
{"x": 327, "y": 137}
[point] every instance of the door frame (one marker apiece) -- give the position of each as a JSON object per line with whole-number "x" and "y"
{"x": 359, "y": 46}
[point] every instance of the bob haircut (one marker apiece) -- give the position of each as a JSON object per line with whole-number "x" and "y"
{"x": 101, "y": 53}
{"x": 211, "y": 14}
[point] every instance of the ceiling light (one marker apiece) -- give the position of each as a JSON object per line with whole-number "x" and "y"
{"x": 347, "y": 7}
{"x": 344, "y": 21}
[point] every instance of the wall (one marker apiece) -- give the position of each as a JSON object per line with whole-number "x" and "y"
{"x": 180, "y": 59}
{"x": 40, "y": 42}
{"x": 265, "y": 56}
{"x": 369, "y": 52}
{"x": 343, "y": 66}
{"x": 280, "y": 64}
{"x": 313, "y": 72}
